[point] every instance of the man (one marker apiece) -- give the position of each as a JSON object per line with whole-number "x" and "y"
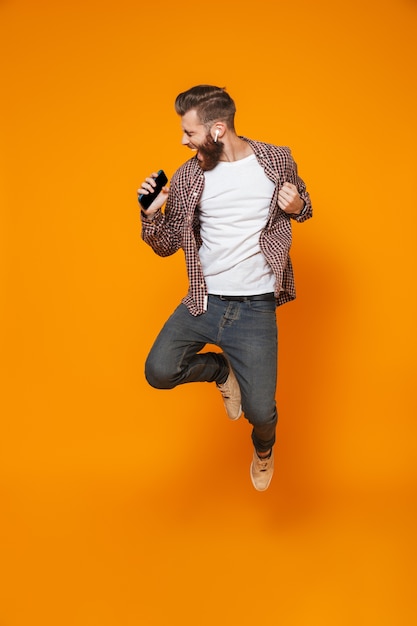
{"x": 230, "y": 209}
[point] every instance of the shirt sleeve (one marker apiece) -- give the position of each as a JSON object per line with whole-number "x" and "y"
{"x": 163, "y": 232}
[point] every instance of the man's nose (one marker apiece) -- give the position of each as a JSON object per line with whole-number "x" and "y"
{"x": 185, "y": 140}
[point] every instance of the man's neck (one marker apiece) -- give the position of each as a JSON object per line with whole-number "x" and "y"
{"x": 235, "y": 149}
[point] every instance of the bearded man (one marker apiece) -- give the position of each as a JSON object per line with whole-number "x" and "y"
{"x": 230, "y": 208}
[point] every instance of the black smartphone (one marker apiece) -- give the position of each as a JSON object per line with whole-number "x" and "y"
{"x": 146, "y": 199}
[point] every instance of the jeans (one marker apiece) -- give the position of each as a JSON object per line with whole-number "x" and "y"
{"x": 247, "y": 333}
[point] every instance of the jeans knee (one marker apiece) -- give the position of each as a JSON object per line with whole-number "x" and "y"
{"x": 259, "y": 416}
{"x": 157, "y": 375}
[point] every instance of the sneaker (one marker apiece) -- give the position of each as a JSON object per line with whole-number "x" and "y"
{"x": 231, "y": 395}
{"x": 261, "y": 471}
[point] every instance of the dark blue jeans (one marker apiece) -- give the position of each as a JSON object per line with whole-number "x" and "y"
{"x": 247, "y": 334}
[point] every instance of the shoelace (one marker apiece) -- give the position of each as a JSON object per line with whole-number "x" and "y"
{"x": 263, "y": 464}
{"x": 224, "y": 389}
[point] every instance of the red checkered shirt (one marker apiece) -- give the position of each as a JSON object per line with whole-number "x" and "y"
{"x": 179, "y": 227}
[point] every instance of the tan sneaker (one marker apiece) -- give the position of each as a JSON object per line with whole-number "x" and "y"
{"x": 231, "y": 395}
{"x": 261, "y": 471}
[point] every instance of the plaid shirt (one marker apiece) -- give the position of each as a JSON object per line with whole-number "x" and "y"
{"x": 179, "y": 227}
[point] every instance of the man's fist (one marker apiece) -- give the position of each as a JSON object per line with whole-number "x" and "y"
{"x": 289, "y": 199}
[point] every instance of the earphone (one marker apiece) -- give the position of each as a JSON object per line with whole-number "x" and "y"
{"x": 216, "y": 136}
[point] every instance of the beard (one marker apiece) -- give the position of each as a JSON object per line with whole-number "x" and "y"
{"x": 209, "y": 153}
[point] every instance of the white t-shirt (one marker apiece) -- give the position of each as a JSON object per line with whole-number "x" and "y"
{"x": 234, "y": 209}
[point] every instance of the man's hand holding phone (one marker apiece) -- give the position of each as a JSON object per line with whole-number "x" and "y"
{"x": 153, "y": 194}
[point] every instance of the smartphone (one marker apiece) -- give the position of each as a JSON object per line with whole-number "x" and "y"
{"x": 146, "y": 199}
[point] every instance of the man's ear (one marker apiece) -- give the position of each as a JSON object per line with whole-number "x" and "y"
{"x": 217, "y": 131}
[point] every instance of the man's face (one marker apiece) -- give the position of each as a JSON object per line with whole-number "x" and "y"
{"x": 196, "y": 137}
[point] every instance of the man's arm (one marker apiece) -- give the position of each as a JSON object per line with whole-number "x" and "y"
{"x": 293, "y": 197}
{"x": 158, "y": 230}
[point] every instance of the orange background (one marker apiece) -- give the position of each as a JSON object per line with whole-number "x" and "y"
{"x": 123, "y": 505}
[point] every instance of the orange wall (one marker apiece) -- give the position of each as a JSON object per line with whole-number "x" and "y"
{"x": 123, "y": 505}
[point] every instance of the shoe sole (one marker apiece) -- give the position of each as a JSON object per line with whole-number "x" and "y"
{"x": 234, "y": 419}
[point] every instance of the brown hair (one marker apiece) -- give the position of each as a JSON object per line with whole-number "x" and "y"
{"x": 211, "y": 103}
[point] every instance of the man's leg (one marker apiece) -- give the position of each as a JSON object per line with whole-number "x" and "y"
{"x": 249, "y": 338}
{"x": 173, "y": 359}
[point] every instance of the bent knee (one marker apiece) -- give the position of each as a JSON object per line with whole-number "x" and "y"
{"x": 158, "y": 376}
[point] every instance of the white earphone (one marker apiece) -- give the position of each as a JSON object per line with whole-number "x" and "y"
{"x": 216, "y": 136}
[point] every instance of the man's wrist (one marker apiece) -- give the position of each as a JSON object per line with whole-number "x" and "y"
{"x": 148, "y": 217}
{"x": 296, "y": 214}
